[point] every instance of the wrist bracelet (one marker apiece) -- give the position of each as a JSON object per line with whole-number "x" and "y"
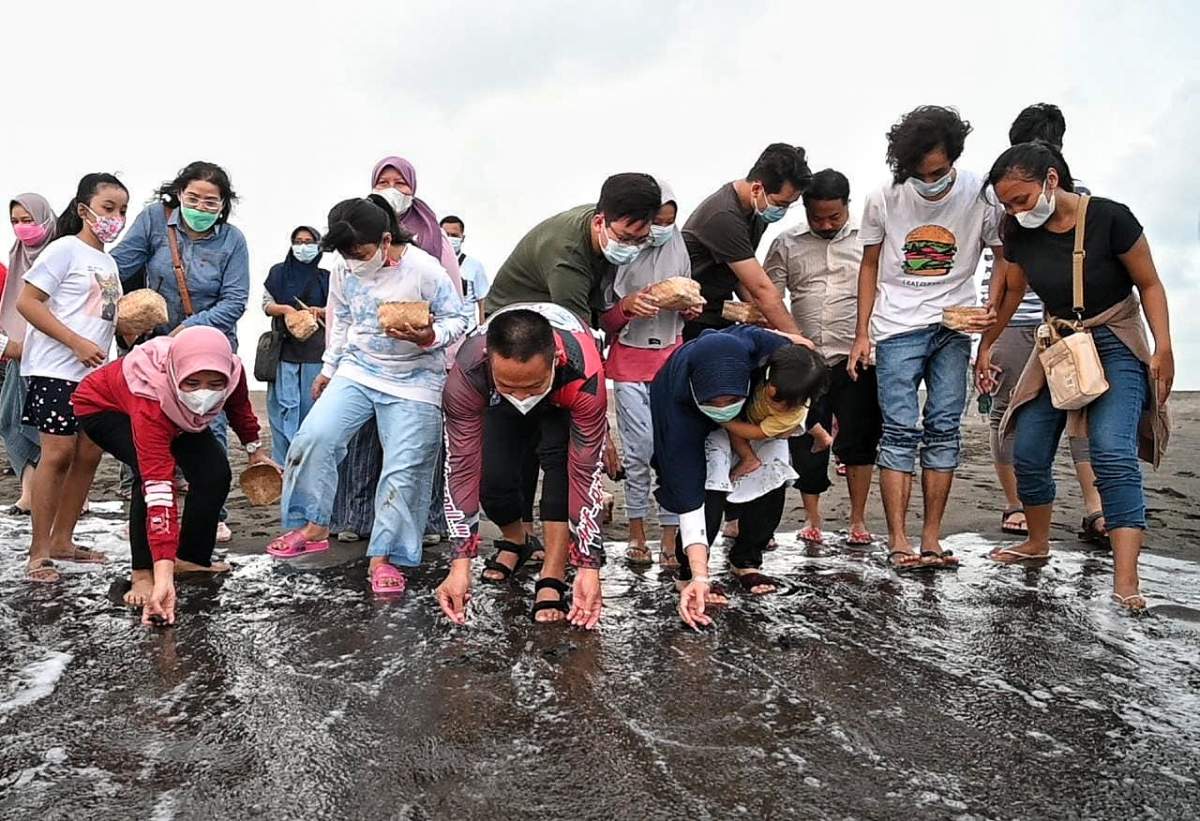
{"x": 703, "y": 580}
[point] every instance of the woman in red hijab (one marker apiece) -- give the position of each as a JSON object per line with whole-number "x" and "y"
{"x": 152, "y": 410}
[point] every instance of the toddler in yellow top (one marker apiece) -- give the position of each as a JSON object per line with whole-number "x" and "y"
{"x": 794, "y": 378}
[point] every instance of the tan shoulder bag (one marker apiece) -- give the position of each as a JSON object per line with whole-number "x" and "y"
{"x": 180, "y": 273}
{"x": 1072, "y": 364}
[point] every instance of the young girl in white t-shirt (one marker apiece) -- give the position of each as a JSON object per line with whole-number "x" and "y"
{"x": 69, "y": 300}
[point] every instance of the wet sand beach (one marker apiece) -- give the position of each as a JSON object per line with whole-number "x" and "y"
{"x": 287, "y": 690}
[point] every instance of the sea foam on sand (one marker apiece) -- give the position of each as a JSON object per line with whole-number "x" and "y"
{"x": 35, "y": 681}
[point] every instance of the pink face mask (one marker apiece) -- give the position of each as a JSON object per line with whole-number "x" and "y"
{"x": 30, "y": 233}
{"x": 106, "y": 229}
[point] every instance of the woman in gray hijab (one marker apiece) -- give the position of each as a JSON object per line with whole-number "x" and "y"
{"x": 33, "y": 221}
{"x": 642, "y": 337}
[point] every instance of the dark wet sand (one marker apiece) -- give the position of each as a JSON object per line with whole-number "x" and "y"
{"x": 288, "y": 691}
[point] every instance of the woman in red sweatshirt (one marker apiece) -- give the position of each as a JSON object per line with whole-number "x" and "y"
{"x": 152, "y": 410}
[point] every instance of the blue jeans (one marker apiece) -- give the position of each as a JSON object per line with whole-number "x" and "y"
{"x": 289, "y": 399}
{"x": 940, "y": 357}
{"x": 1112, "y": 422}
{"x": 410, "y": 432}
{"x": 21, "y": 442}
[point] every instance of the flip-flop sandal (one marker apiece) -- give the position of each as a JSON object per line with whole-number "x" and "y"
{"x": 1130, "y": 602}
{"x": 812, "y": 535}
{"x": 1089, "y": 532}
{"x": 521, "y": 551}
{"x": 937, "y": 560}
{"x": 1013, "y": 530}
{"x": 45, "y": 567}
{"x": 19, "y": 511}
{"x": 910, "y": 566}
{"x": 1020, "y": 557}
{"x": 639, "y": 556}
{"x": 560, "y": 604}
{"x": 771, "y": 545}
{"x": 860, "y": 538}
{"x": 388, "y": 580}
{"x": 293, "y": 544}
{"x": 96, "y": 558}
{"x": 666, "y": 558}
{"x": 749, "y": 581}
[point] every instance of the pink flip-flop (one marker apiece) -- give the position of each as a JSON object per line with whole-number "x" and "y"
{"x": 388, "y": 580}
{"x": 812, "y": 535}
{"x": 293, "y": 544}
{"x": 860, "y": 538}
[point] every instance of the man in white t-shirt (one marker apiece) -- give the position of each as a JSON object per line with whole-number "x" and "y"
{"x": 922, "y": 236}
{"x": 474, "y": 278}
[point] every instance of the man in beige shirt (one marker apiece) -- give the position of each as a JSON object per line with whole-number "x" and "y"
{"x": 817, "y": 262}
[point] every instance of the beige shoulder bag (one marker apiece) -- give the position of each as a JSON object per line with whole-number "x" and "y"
{"x": 1071, "y": 362}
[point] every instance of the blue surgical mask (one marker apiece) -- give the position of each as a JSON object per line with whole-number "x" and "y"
{"x": 929, "y": 190}
{"x": 661, "y": 234}
{"x": 770, "y": 213}
{"x": 717, "y": 413}
{"x": 305, "y": 251}
{"x": 619, "y": 253}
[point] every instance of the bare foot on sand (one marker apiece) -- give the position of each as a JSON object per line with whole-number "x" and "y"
{"x": 142, "y": 585}
{"x": 182, "y": 566}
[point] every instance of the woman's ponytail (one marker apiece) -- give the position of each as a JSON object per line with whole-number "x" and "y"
{"x": 69, "y": 222}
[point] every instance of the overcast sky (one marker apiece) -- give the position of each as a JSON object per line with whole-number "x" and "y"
{"x": 512, "y": 114}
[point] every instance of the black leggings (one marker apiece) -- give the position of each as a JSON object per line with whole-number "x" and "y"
{"x": 509, "y": 438}
{"x": 205, "y": 465}
{"x": 759, "y": 518}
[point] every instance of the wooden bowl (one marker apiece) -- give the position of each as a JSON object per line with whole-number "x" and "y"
{"x": 262, "y": 484}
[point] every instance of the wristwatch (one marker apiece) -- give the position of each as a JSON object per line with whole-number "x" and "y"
{"x": 252, "y": 448}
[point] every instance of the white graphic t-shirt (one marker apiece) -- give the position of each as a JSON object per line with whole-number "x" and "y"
{"x": 84, "y": 288}
{"x": 929, "y": 252}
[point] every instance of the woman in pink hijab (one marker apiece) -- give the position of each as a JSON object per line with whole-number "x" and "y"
{"x": 152, "y": 410}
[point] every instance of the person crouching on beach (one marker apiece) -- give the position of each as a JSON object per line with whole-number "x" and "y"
{"x": 152, "y": 410}
{"x": 394, "y": 375}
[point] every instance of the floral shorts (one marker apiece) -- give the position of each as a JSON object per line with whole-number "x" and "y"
{"x": 48, "y": 406}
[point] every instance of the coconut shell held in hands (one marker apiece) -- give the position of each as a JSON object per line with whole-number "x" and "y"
{"x": 395, "y": 315}
{"x": 262, "y": 484}
{"x": 959, "y": 319}
{"x": 300, "y": 324}
{"x": 676, "y": 294}
{"x": 742, "y": 312}
{"x": 140, "y": 311}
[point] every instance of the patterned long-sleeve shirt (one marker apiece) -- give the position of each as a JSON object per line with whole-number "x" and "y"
{"x": 578, "y": 386}
{"x": 358, "y": 348}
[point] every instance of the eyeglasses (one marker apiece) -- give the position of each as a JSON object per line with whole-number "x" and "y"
{"x": 628, "y": 240}
{"x": 204, "y": 203}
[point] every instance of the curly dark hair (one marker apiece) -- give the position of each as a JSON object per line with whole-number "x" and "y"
{"x": 920, "y": 131}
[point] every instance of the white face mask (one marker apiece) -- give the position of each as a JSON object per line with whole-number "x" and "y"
{"x": 366, "y": 267}
{"x": 456, "y": 244}
{"x": 929, "y": 190}
{"x": 200, "y": 401}
{"x": 530, "y": 402}
{"x": 1036, "y": 216}
{"x": 396, "y": 198}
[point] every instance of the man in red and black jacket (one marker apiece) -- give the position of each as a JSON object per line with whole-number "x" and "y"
{"x": 530, "y": 378}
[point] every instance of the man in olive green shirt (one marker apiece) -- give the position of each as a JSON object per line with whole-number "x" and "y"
{"x": 566, "y": 258}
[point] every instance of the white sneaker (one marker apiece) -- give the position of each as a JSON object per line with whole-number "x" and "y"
{"x": 224, "y": 534}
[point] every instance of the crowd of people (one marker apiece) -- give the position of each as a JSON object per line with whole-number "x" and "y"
{"x": 433, "y": 396}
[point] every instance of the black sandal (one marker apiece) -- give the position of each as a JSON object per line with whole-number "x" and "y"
{"x": 560, "y": 587}
{"x": 1013, "y": 530}
{"x": 522, "y": 552}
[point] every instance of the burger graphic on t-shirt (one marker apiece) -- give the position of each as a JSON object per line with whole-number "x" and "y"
{"x": 929, "y": 251}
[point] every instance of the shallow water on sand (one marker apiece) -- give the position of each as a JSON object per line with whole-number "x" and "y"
{"x": 287, "y": 690}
